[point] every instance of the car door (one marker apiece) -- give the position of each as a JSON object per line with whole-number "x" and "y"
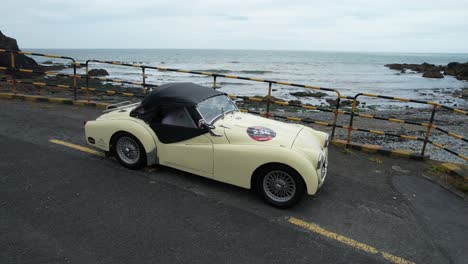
{"x": 183, "y": 145}
{"x": 193, "y": 155}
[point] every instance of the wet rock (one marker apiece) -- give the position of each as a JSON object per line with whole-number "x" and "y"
{"x": 459, "y": 70}
{"x": 343, "y": 103}
{"x": 57, "y": 67}
{"x": 463, "y": 74}
{"x": 48, "y": 62}
{"x": 463, "y": 93}
{"x": 98, "y": 72}
{"x": 433, "y": 74}
{"x": 395, "y": 66}
{"x": 308, "y": 94}
{"x": 423, "y": 67}
{"x": 295, "y": 102}
{"x": 271, "y": 97}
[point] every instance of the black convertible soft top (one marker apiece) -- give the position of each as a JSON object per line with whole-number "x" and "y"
{"x": 172, "y": 95}
{"x": 183, "y": 94}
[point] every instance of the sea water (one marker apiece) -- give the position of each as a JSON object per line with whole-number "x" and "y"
{"x": 348, "y": 72}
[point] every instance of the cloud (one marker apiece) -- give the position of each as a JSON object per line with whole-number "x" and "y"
{"x": 346, "y": 25}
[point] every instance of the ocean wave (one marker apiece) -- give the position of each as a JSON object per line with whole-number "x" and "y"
{"x": 233, "y": 83}
{"x": 215, "y": 71}
{"x": 222, "y": 71}
{"x": 255, "y": 72}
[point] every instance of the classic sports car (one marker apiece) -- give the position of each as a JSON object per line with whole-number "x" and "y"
{"x": 200, "y": 130}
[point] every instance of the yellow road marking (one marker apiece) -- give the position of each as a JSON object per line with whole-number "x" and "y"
{"x": 348, "y": 241}
{"x": 77, "y": 147}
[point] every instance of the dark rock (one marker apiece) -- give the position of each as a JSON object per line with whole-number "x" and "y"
{"x": 463, "y": 93}
{"x": 308, "y": 94}
{"x": 57, "y": 67}
{"x": 395, "y": 66}
{"x": 424, "y": 67}
{"x": 433, "y": 74}
{"x": 348, "y": 103}
{"x": 266, "y": 98}
{"x": 343, "y": 103}
{"x": 462, "y": 74}
{"x": 48, "y": 62}
{"x": 295, "y": 102}
{"x": 330, "y": 101}
{"x": 459, "y": 70}
{"x": 98, "y": 72}
{"x": 21, "y": 61}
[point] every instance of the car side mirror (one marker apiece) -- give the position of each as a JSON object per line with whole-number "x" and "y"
{"x": 202, "y": 124}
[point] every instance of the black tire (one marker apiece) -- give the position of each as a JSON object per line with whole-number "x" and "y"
{"x": 129, "y": 151}
{"x": 289, "y": 176}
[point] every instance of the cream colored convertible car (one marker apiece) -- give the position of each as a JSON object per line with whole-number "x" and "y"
{"x": 200, "y": 130}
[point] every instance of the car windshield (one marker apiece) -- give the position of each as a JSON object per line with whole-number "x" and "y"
{"x": 214, "y": 107}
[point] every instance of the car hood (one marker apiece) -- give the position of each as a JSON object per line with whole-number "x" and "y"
{"x": 247, "y": 129}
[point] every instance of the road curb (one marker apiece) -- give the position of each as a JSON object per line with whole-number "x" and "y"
{"x": 458, "y": 174}
{"x": 55, "y": 100}
{"x": 380, "y": 150}
{"x": 456, "y": 169}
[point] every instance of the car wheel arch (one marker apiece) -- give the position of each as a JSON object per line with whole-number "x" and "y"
{"x": 258, "y": 172}
{"x": 114, "y": 138}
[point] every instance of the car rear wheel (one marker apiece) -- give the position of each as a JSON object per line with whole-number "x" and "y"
{"x": 129, "y": 151}
{"x": 280, "y": 186}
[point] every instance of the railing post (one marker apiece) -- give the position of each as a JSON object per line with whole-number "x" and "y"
{"x": 144, "y": 78}
{"x": 87, "y": 80}
{"x": 13, "y": 88}
{"x": 12, "y": 59}
{"x": 428, "y": 131}
{"x": 268, "y": 100}
{"x": 350, "y": 127}
{"x": 335, "y": 118}
{"x": 214, "y": 81}
{"x": 74, "y": 81}
{"x": 13, "y": 65}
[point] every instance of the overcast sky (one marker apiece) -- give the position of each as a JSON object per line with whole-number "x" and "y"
{"x": 338, "y": 25}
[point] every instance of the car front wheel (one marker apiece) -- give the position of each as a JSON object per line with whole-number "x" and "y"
{"x": 129, "y": 151}
{"x": 280, "y": 186}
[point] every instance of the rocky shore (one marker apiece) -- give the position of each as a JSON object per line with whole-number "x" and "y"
{"x": 457, "y": 69}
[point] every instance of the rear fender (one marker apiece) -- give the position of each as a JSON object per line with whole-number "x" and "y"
{"x": 101, "y": 132}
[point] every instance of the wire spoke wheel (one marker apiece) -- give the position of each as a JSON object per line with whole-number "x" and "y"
{"x": 128, "y": 150}
{"x": 279, "y": 186}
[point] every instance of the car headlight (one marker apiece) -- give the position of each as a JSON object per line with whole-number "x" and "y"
{"x": 327, "y": 141}
{"x": 321, "y": 160}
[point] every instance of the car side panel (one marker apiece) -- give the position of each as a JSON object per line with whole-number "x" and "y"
{"x": 235, "y": 164}
{"x": 102, "y": 131}
{"x": 194, "y": 155}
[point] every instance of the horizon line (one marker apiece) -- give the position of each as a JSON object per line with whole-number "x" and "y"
{"x": 227, "y": 49}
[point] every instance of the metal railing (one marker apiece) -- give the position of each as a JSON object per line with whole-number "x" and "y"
{"x": 268, "y": 100}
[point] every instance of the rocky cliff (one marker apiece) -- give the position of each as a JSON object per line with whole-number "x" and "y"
{"x": 21, "y": 61}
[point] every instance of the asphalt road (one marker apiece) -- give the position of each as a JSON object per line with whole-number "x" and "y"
{"x": 60, "y": 205}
